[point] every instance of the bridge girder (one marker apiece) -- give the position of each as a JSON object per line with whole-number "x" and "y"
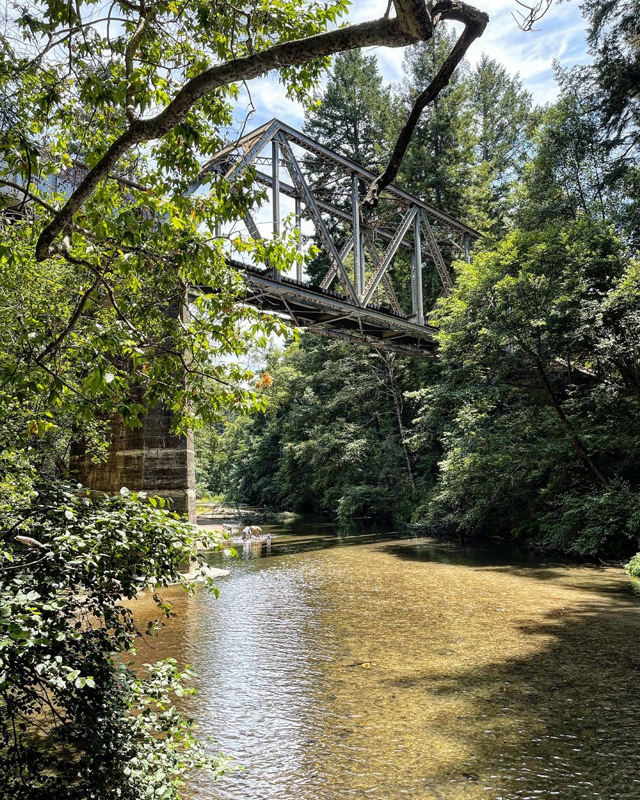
{"x": 404, "y": 222}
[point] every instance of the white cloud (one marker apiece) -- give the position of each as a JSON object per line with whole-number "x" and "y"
{"x": 561, "y": 37}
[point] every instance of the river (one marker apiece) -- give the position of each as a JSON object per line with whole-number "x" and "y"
{"x": 351, "y": 664}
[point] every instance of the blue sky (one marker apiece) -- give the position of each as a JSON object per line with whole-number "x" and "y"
{"x": 562, "y": 38}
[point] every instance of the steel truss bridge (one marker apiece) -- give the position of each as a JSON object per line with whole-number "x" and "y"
{"x": 323, "y": 190}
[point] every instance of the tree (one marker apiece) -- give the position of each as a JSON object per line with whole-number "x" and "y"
{"x": 578, "y": 167}
{"x": 333, "y": 437}
{"x": 353, "y": 117}
{"x": 75, "y": 722}
{"x": 501, "y": 111}
{"x": 601, "y": 103}
{"x": 614, "y": 28}
{"x": 531, "y": 445}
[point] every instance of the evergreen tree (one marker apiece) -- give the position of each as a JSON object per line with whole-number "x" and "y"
{"x": 614, "y": 36}
{"x": 577, "y": 167}
{"x": 501, "y": 124}
{"x": 352, "y": 118}
{"x": 613, "y": 83}
{"x": 354, "y": 112}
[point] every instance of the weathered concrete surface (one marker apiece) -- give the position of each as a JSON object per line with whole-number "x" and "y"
{"x": 149, "y": 458}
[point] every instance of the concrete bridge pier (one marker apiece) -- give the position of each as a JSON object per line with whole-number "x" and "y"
{"x": 149, "y": 458}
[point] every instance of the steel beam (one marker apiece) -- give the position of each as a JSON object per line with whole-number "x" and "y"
{"x": 443, "y": 272}
{"x": 386, "y": 283}
{"x": 416, "y": 273}
{"x": 299, "y": 229}
{"x": 258, "y": 139}
{"x": 291, "y": 191}
{"x": 332, "y": 272}
{"x": 413, "y": 350}
{"x": 314, "y": 299}
{"x": 275, "y": 186}
{"x": 301, "y": 185}
{"x": 358, "y": 260}
{"x": 392, "y": 249}
{"x": 352, "y": 315}
{"x": 254, "y": 232}
{"x": 275, "y": 193}
{"x": 299, "y": 138}
{"x": 256, "y": 145}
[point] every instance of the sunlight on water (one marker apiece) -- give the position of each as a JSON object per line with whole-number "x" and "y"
{"x": 395, "y": 668}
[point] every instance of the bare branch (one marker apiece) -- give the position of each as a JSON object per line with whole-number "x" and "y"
{"x": 29, "y": 541}
{"x": 414, "y": 17}
{"x": 526, "y": 21}
{"x": 414, "y": 22}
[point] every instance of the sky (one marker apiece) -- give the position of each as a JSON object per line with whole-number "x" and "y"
{"x": 561, "y": 37}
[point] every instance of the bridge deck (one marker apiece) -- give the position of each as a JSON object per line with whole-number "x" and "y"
{"x": 326, "y": 312}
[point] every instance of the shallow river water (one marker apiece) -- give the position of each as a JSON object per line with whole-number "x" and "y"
{"x": 351, "y": 665}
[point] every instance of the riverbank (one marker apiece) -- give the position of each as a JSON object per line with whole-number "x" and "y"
{"x": 215, "y": 515}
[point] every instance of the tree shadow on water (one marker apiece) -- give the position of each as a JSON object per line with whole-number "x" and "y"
{"x": 508, "y": 559}
{"x": 560, "y": 723}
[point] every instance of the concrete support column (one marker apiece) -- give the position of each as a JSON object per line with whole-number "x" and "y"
{"x": 149, "y": 458}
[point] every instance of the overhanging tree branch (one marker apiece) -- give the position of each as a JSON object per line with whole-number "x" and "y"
{"x": 414, "y": 22}
{"x": 475, "y": 22}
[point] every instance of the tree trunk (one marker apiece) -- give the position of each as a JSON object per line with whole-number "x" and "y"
{"x": 397, "y": 402}
{"x": 573, "y": 436}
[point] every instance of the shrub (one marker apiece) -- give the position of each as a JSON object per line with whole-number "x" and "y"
{"x": 76, "y": 723}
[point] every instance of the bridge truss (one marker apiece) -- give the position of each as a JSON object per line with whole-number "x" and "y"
{"x": 358, "y": 297}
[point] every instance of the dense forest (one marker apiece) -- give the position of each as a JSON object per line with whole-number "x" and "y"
{"x": 527, "y": 426}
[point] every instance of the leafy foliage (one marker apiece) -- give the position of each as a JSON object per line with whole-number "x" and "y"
{"x": 114, "y": 331}
{"x": 332, "y": 438}
{"x": 77, "y": 721}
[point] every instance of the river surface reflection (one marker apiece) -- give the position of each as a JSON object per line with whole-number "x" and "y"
{"x": 345, "y": 664}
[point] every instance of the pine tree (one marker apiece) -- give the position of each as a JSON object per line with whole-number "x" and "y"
{"x": 352, "y": 118}
{"x": 501, "y": 126}
{"x": 614, "y": 37}
{"x": 614, "y": 81}
{"x": 354, "y": 112}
